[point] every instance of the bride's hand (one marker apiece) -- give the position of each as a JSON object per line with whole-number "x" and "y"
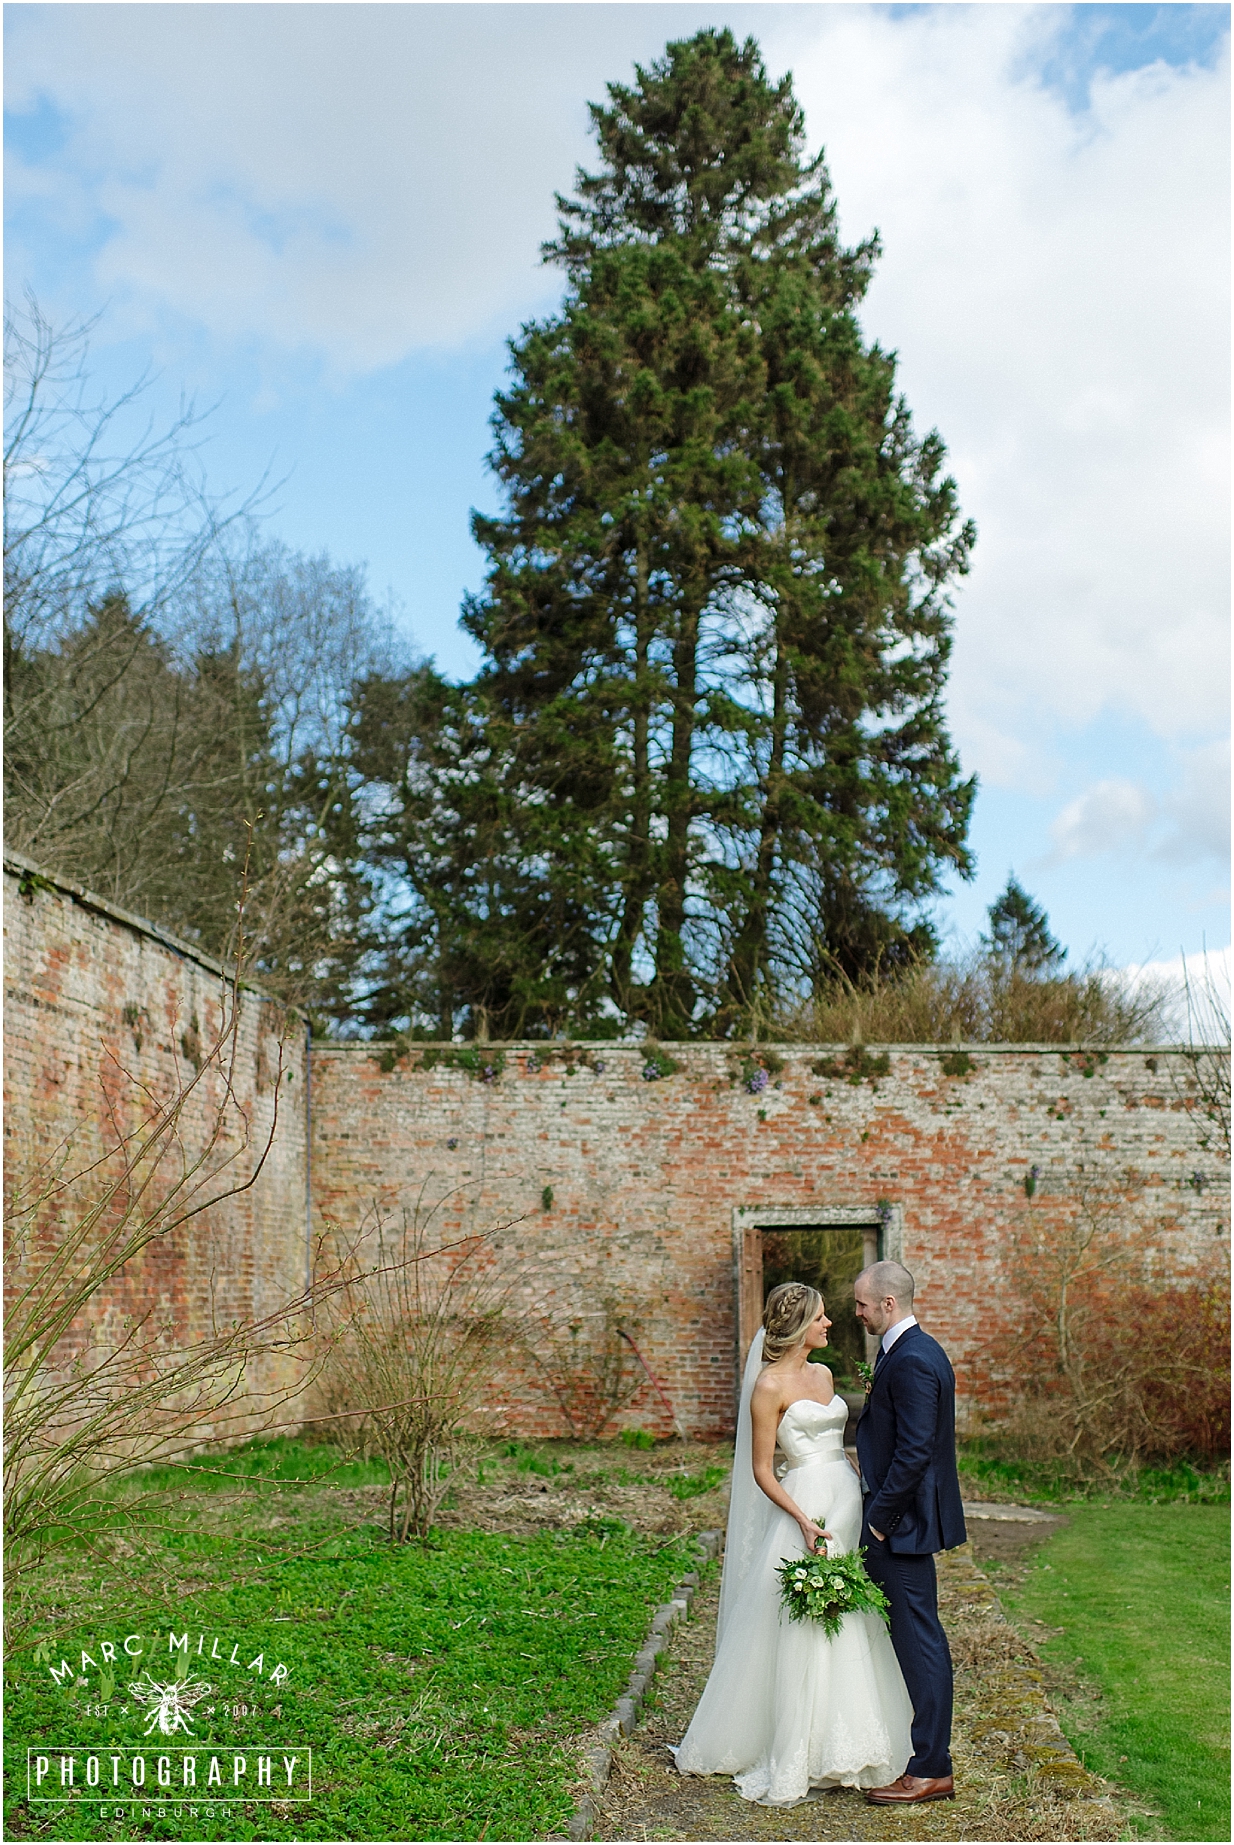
{"x": 811, "y": 1533}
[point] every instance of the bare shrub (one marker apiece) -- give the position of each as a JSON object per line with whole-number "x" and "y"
{"x": 1174, "y": 1363}
{"x": 977, "y": 999}
{"x": 1113, "y": 1367}
{"x": 1206, "y": 1087}
{"x": 415, "y": 1328}
{"x": 587, "y": 1360}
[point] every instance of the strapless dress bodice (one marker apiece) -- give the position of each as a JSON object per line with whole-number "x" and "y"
{"x": 811, "y": 1431}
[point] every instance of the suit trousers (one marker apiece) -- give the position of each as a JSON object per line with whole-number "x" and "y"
{"x": 911, "y": 1586}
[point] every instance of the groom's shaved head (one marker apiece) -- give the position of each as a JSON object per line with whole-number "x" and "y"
{"x": 889, "y": 1279}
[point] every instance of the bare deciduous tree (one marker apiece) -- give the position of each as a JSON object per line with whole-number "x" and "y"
{"x": 95, "y": 499}
{"x": 1206, "y": 1094}
{"x": 415, "y": 1328}
{"x": 175, "y": 683}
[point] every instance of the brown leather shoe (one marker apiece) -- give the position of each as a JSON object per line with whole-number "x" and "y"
{"x": 909, "y": 1790}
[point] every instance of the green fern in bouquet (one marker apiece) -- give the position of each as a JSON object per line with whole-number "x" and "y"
{"x": 825, "y": 1589}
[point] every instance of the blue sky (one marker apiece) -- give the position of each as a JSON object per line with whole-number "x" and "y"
{"x": 326, "y": 220}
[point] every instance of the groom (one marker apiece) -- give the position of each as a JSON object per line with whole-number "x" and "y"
{"x": 906, "y": 1446}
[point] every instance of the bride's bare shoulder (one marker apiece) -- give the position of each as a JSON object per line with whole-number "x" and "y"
{"x": 768, "y": 1385}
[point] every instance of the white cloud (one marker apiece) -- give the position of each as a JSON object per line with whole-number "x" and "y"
{"x": 357, "y": 181}
{"x": 1113, "y": 814}
{"x": 1196, "y": 992}
{"x": 1198, "y": 813}
{"x": 1189, "y": 825}
{"x": 1057, "y": 287}
{"x": 360, "y": 182}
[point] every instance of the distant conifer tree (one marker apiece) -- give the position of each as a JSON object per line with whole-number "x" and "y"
{"x": 1020, "y": 933}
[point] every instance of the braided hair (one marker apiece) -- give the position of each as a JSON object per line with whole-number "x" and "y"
{"x": 789, "y": 1310}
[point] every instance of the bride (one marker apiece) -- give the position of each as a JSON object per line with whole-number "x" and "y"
{"x": 786, "y": 1709}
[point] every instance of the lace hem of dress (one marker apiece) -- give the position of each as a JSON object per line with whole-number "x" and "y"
{"x": 858, "y": 1757}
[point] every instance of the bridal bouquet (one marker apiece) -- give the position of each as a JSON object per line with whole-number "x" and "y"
{"x": 825, "y": 1589}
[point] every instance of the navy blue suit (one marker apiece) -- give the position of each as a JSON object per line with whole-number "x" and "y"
{"x": 906, "y": 1446}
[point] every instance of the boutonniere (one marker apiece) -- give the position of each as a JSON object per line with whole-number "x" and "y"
{"x": 866, "y": 1373}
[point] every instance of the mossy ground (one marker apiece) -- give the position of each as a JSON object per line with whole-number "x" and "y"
{"x": 1013, "y": 1780}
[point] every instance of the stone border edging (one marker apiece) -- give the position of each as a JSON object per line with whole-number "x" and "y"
{"x": 625, "y": 1713}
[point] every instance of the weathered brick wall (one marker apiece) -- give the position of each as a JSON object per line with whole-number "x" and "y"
{"x": 647, "y": 1177}
{"x": 103, "y": 1015}
{"x": 650, "y": 1180}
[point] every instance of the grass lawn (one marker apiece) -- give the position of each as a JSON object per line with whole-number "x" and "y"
{"x": 439, "y": 1689}
{"x": 1138, "y": 1597}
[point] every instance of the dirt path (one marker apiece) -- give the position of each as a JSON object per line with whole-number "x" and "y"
{"x": 1015, "y": 1777}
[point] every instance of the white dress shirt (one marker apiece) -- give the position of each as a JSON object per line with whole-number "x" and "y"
{"x": 893, "y": 1332}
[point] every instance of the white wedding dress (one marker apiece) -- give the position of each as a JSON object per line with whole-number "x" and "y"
{"x": 786, "y": 1709}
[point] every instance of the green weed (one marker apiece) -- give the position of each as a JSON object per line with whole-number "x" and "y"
{"x": 532, "y": 1460}
{"x": 985, "y": 1464}
{"x": 438, "y": 1688}
{"x": 692, "y": 1485}
{"x": 285, "y": 1462}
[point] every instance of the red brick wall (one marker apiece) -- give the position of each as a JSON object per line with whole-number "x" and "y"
{"x": 645, "y": 1176}
{"x": 100, "y": 1012}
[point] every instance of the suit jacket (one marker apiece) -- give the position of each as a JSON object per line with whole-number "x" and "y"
{"x": 906, "y": 1446}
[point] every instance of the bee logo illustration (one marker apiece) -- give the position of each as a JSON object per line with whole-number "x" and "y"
{"x": 171, "y": 1703}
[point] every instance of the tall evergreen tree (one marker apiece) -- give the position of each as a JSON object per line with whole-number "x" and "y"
{"x": 715, "y": 618}
{"x": 631, "y": 501}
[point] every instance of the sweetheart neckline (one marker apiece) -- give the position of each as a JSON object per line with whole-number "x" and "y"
{"x": 827, "y": 1405}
